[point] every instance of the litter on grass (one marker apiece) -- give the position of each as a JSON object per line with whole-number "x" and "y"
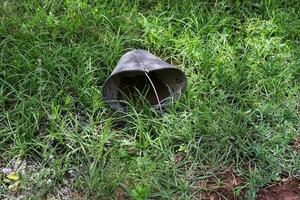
{"x": 141, "y": 75}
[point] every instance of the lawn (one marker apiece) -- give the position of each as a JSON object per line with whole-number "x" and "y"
{"x": 238, "y": 118}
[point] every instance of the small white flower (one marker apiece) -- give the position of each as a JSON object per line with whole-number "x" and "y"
{"x": 6, "y": 170}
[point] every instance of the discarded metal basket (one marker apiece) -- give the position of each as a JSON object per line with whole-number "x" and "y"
{"x": 141, "y": 73}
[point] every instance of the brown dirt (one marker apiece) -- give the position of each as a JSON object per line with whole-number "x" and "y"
{"x": 221, "y": 187}
{"x": 65, "y": 194}
{"x": 296, "y": 144}
{"x": 179, "y": 157}
{"x": 287, "y": 189}
{"x": 121, "y": 194}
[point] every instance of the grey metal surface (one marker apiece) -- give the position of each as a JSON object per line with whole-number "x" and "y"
{"x": 136, "y": 63}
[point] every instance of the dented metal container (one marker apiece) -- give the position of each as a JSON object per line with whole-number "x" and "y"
{"x": 141, "y": 73}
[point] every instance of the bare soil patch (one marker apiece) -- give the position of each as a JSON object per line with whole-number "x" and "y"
{"x": 121, "y": 194}
{"x": 296, "y": 144}
{"x": 227, "y": 185}
{"x": 288, "y": 189}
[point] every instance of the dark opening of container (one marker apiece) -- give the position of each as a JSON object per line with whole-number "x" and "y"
{"x": 137, "y": 86}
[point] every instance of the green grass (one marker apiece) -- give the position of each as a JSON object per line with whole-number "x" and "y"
{"x": 241, "y": 109}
